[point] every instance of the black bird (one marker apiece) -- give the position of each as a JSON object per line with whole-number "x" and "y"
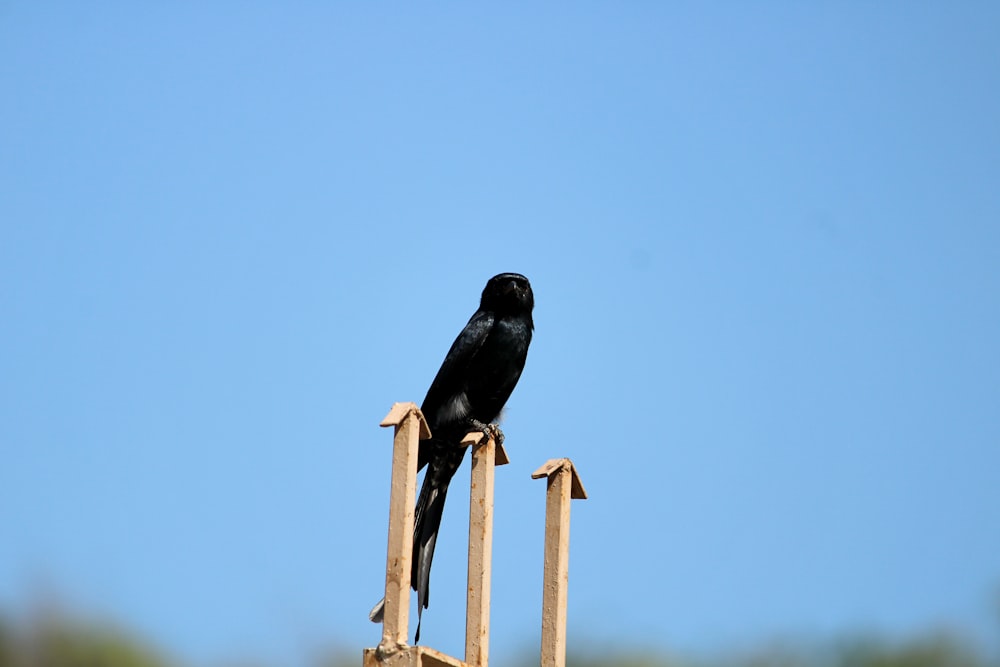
{"x": 469, "y": 391}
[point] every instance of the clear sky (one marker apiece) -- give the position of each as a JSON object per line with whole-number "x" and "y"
{"x": 765, "y": 246}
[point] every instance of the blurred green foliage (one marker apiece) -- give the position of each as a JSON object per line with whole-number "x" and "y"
{"x": 932, "y": 650}
{"x": 61, "y": 643}
{"x": 57, "y": 642}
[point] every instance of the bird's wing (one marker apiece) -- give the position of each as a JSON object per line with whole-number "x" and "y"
{"x": 445, "y": 401}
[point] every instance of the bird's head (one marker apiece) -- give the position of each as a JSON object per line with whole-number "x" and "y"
{"x": 508, "y": 293}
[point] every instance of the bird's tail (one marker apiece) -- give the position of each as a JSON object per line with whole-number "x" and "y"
{"x": 427, "y": 521}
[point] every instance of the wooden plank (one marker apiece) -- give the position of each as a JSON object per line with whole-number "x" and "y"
{"x": 410, "y": 656}
{"x": 548, "y": 467}
{"x": 477, "y": 613}
{"x": 501, "y": 456}
{"x": 407, "y": 420}
{"x": 431, "y": 658}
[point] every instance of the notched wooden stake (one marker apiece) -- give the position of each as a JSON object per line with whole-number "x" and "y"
{"x": 410, "y": 428}
{"x": 563, "y": 484}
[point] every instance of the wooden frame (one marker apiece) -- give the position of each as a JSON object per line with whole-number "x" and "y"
{"x": 410, "y": 428}
{"x": 563, "y": 485}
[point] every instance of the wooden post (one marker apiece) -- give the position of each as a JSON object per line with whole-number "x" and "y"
{"x": 410, "y": 428}
{"x": 563, "y": 484}
{"x": 485, "y": 457}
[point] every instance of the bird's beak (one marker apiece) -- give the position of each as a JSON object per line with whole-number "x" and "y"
{"x": 510, "y": 287}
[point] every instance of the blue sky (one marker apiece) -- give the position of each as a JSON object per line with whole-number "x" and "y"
{"x": 765, "y": 247}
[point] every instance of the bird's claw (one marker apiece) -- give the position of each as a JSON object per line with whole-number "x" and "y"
{"x": 488, "y": 430}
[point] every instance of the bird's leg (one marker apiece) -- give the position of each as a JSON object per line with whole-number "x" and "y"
{"x": 488, "y": 430}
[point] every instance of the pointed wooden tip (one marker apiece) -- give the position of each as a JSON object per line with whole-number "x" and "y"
{"x": 553, "y": 466}
{"x": 401, "y": 411}
{"x": 473, "y": 437}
